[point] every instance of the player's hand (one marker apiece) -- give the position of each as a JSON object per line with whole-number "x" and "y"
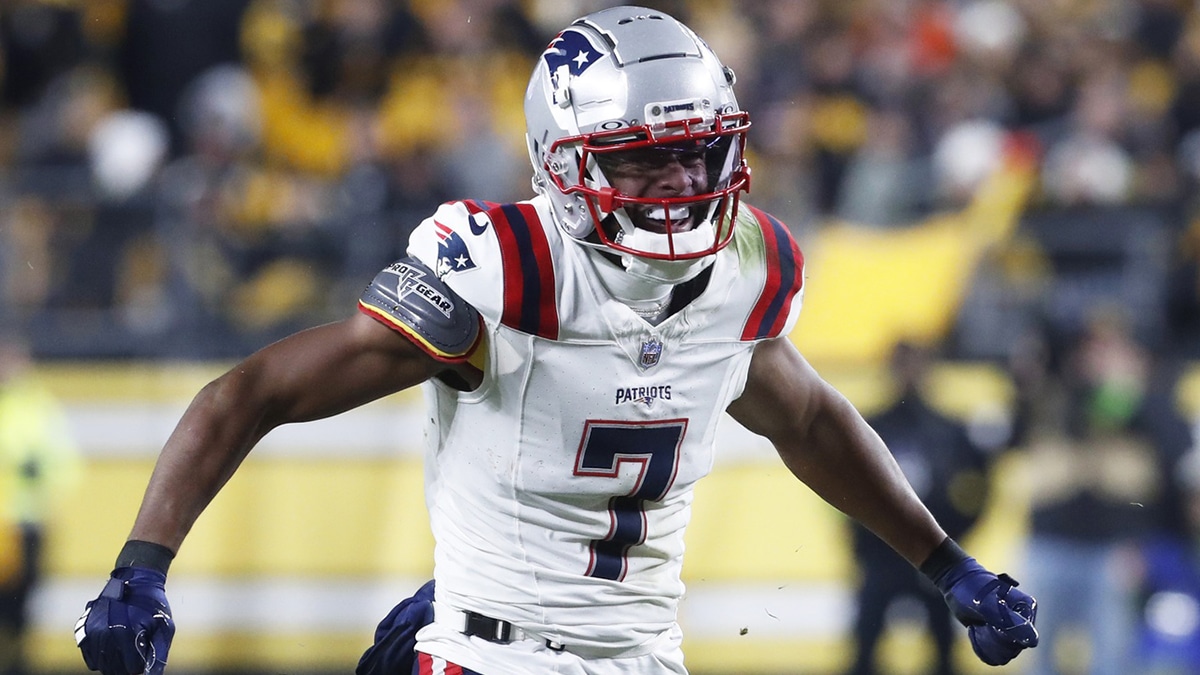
{"x": 999, "y": 618}
{"x": 127, "y": 630}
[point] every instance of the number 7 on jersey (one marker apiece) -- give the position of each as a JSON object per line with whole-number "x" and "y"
{"x": 605, "y": 446}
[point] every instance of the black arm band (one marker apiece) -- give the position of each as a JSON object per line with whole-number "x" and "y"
{"x": 138, "y": 553}
{"x": 945, "y": 556}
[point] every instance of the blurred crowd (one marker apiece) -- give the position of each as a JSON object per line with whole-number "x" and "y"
{"x": 191, "y": 177}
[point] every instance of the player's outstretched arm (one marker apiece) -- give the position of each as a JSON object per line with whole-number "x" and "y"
{"x": 312, "y": 374}
{"x": 828, "y": 445}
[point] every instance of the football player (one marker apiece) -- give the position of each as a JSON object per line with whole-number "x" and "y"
{"x": 577, "y": 351}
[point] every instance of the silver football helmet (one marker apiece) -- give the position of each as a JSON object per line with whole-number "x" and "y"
{"x": 630, "y": 84}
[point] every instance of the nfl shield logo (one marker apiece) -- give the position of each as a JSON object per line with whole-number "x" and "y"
{"x": 651, "y": 352}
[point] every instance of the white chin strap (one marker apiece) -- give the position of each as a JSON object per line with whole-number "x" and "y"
{"x": 665, "y": 271}
{"x": 668, "y": 271}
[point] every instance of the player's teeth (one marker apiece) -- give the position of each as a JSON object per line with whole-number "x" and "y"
{"x": 659, "y": 213}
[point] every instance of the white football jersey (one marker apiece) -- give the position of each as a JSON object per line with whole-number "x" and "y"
{"x": 559, "y": 490}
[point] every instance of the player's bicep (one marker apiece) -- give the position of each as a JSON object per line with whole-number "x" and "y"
{"x": 781, "y": 395}
{"x": 329, "y": 369}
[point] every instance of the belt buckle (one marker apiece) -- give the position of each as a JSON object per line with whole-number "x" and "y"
{"x": 492, "y": 630}
{"x": 495, "y": 630}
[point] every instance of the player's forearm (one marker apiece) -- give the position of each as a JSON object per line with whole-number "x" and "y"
{"x": 844, "y": 461}
{"x": 212, "y": 438}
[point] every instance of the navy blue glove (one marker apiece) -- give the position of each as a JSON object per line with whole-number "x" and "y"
{"x": 999, "y": 618}
{"x": 394, "y": 651}
{"x": 127, "y": 630}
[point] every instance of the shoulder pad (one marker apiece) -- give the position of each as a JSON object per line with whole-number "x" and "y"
{"x": 409, "y": 298}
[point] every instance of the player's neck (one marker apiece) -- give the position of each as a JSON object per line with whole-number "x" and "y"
{"x": 648, "y": 299}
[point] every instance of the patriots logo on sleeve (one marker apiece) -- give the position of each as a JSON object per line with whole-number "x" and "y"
{"x": 453, "y": 255}
{"x": 572, "y": 49}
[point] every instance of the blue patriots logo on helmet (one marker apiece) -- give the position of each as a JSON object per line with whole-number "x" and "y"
{"x": 572, "y": 49}
{"x": 453, "y": 255}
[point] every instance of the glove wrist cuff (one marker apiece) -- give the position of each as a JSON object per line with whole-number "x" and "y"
{"x": 137, "y": 553}
{"x": 945, "y": 557}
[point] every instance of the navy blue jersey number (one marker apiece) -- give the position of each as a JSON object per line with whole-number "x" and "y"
{"x": 606, "y": 445}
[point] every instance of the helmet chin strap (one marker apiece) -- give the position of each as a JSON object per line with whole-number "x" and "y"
{"x": 668, "y": 271}
{"x": 665, "y": 271}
